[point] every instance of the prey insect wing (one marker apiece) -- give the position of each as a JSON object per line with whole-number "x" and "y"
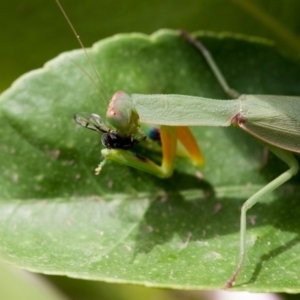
{"x": 91, "y": 121}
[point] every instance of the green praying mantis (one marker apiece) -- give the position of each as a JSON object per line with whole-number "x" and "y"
{"x": 274, "y": 120}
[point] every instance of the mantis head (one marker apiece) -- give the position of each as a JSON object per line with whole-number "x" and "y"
{"x": 121, "y": 115}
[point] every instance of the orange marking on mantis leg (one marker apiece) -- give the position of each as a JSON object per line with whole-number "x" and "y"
{"x": 188, "y": 141}
{"x": 168, "y": 141}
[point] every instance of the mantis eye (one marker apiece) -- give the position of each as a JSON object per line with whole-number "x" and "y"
{"x": 114, "y": 113}
{"x": 119, "y": 111}
{"x": 116, "y": 117}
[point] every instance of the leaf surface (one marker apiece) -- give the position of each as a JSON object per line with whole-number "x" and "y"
{"x": 57, "y": 217}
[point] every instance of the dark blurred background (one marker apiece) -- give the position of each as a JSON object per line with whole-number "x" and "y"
{"x": 33, "y": 31}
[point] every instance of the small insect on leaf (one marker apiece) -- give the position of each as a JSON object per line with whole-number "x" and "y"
{"x": 91, "y": 121}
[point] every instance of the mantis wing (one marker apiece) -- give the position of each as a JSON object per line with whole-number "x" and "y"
{"x": 273, "y": 119}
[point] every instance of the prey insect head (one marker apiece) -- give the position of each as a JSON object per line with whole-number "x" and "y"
{"x": 111, "y": 139}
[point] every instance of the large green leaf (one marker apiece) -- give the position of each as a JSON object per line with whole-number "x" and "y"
{"x": 57, "y": 217}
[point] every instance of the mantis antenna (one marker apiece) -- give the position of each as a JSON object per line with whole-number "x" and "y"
{"x": 87, "y": 55}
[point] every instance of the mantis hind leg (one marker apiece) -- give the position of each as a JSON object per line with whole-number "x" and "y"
{"x": 290, "y": 160}
{"x": 168, "y": 137}
{"x": 212, "y": 64}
